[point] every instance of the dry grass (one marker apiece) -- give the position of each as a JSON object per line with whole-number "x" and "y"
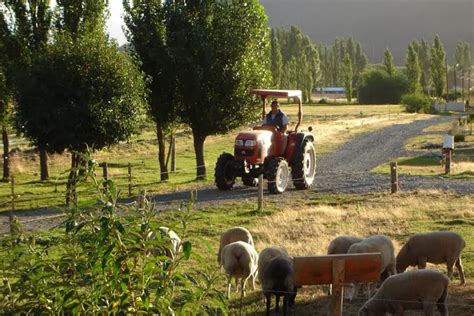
{"x": 308, "y": 229}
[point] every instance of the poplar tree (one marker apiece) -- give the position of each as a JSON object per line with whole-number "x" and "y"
{"x": 347, "y": 76}
{"x": 437, "y": 67}
{"x": 276, "y": 60}
{"x": 387, "y": 62}
{"x": 413, "y": 70}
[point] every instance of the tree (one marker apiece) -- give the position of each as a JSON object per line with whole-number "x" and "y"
{"x": 221, "y": 50}
{"x": 25, "y": 34}
{"x": 462, "y": 57}
{"x": 78, "y": 17}
{"x": 438, "y": 68}
{"x": 5, "y": 101}
{"x": 387, "y": 62}
{"x": 347, "y": 71}
{"x": 413, "y": 70}
{"x": 146, "y": 21}
{"x": 424, "y": 59}
{"x": 80, "y": 94}
{"x": 276, "y": 60}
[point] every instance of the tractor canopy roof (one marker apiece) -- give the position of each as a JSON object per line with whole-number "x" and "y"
{"x": 264, "y": 93}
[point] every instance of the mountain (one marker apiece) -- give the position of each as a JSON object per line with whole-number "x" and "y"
{"x": 378, "y": 24}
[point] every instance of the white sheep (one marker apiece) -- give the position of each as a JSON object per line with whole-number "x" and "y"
{"x": 436, "y": 247}
{"x": 239, "y": 260}
{"x": 339, "y": 246}
{"x": 232, "y": 235}
{"x": 175, "y": 242}
{"x": 413, "y": 290}
{"x": 376, "y": 243}
{"x": 277, "y": 278}
{"x": 174, "y": 239}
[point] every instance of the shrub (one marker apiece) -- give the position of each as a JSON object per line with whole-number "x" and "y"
{"x": 323, "y": 101}
{"x": 377, "y": 87}
{"x": 111, "y": 259}
{"x": 417, "y": 102}
{"x": 459, "y": 138}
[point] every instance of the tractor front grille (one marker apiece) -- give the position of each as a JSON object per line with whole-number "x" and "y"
{"x": 244, "y": 152}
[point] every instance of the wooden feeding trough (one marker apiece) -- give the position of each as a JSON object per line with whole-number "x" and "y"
{"x": 337, "y": 270}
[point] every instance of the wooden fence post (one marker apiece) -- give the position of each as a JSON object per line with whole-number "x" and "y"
{"x": 260, "y": 192}
{"x": 141, "y": 199}
{"x": 11, "y": 217}
{"x": 338, "y": 272}
{"x": 129, "y": 179}
{"x": 448, "y": 153}
{"x": 173, "y": 154}
{"x": 105, "y": 171}
{"x": 394, "y": 177}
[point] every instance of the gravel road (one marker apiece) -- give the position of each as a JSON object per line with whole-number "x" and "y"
{"x": 346, "y": 170}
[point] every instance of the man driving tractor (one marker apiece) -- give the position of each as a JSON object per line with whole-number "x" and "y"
{"x": 276, "y": 117}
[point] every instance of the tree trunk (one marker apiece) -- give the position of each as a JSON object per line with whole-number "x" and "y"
{"x": 6, "y": 154}
{"x": 44, "y": 174}
{"x": 71, "y": 181}
{"x": 162, "y": 153}
{"x": 199, "y": 150}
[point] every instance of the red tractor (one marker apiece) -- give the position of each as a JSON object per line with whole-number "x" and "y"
{"x": 265, "y": 150}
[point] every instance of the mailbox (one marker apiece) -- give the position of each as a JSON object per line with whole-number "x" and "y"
{"x": 448, "y": 142}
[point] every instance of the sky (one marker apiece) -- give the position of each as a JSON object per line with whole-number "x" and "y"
{"x": 115, "y": 22}
{"x": 378, "y": 24}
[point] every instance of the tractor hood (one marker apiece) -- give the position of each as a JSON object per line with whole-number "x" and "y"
{"x": 265, "y": 137}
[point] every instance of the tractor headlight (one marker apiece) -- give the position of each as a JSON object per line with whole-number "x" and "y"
{"x": 250, "y": 143}
{"x": 239, "y": 142}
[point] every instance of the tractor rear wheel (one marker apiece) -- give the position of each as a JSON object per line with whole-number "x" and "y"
{"x": 249, "y": 181}
{"x": 277, "y": 174}
{"x": 224, "y": 174}
{"x": 303, "y": 170}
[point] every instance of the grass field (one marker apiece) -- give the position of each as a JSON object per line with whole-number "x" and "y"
{"x": 306, "y": 223}
{"x": 333, "y": 125}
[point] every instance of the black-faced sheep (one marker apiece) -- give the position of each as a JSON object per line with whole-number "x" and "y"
{"x": 413, "y": 290}
{"x": 436, "y": 247}
{"x": 232, "y": 235}
{"x": 376, "y": 243}
{"x": 340, "y": 245}
{"x": 268, "y": 254}
{"x": 277, "y": 278}
{"x": 239, "y": 260}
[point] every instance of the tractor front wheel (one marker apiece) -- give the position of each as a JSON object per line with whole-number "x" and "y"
{"x": 303, "y": 170}
{"x": 277, "y": 174}
{"x": 224, "y": 173}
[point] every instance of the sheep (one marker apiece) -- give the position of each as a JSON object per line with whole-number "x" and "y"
{"x": 232, "y": 235}
{"x": 339, "y": 246}
{"x": 175, "y": 242}
{"x": 268, "y": 254}
{"x": 277, "y": 278}
{"x": 239, "y": 260}
{"x": 413, "y": 290}
{"x": 376, "y": 243}
{"x": 436, "y": 247}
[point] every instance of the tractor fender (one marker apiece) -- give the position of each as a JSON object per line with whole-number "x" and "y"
{"x": 299, "y": 140}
